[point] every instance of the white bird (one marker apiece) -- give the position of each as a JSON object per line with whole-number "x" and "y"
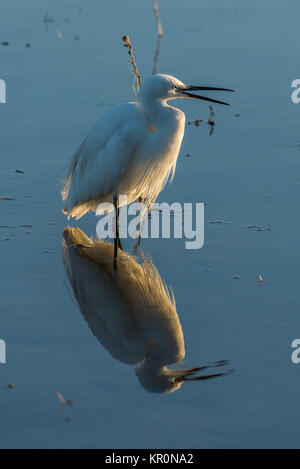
{"x": 131, "y": 312}
{"x": 131, "y": 151}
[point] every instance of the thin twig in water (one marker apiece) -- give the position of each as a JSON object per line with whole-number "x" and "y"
{"x": 159, "y": 33}
{"x": 63, "y": 402}
{"x": 137, "y": 82}
{"x": 211, "y": 121}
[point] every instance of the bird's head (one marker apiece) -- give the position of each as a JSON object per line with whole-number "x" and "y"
{"x": 164, "y": 87}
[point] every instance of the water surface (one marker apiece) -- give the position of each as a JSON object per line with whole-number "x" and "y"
{"x": 247, "y": 173}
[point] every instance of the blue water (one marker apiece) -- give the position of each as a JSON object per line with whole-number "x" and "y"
{"x": 247, "y": 173}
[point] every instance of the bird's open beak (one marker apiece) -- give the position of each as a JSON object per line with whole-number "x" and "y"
{"x": 185, "y": 90}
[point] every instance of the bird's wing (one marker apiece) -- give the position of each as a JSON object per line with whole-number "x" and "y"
{"x": 108, "y": 314}
{"x": 100, "y": 162}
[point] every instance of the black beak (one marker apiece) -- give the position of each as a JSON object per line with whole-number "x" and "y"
{"x": 202, "y": 88}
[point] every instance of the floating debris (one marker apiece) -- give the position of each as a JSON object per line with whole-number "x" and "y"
{"x": 188, "y": 155}
{"x": 50, "y": 252}
{"x": 253, "y": 226}
{"x": 5, "y": 43}
{"x": 60, "y": 397}
{"x": 63, "y": 401}
{"x": 219, "y": 222}
{"x": 195, "y": 122}
{"x": 10, "y": 385}
{"x": 27, "y": 45}
{"x": 237, "y": 276}
{"x": 260, "y": 279}
{"x": 237, "y": 115}
{"x": 59, "y": 34}
{"x": 7, "y": 198}
{"x": 21, "y": 171}
{"x": 77, "y": 38}
{"x": 258, "y": 227}
{"x": 47, "y": 19}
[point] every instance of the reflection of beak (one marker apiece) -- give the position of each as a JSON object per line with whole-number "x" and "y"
{"x": 188, "y": 374}
{"x": 202, "y": 88}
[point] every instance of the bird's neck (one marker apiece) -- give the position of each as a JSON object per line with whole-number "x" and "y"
{"x": 160, "y": 115}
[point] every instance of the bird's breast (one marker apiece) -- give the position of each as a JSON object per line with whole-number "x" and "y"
{"x": 163, "y": 140}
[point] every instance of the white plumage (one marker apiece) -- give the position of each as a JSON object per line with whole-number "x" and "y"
{"x": 131, "y": 150}
{"x": 130, "y": 311}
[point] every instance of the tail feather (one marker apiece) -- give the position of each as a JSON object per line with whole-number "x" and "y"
{"x": 80, "y": 209}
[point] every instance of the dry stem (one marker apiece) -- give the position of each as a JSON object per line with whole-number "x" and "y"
{"x": 157, "y": 17}
{"x": 137, "y": 83}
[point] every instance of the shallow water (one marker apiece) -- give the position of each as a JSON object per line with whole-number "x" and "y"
{"x": 247, "y": 173}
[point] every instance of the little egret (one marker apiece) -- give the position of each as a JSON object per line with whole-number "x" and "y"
{"x": 132, "y": 150}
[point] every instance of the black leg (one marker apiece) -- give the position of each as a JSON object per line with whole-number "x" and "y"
{"x": 116, "y": 239}
{"x": 136, "y": 245}
{"x": 119, "y": 241}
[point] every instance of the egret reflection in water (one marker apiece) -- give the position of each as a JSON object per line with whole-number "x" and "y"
{"x": 130, "y": 311}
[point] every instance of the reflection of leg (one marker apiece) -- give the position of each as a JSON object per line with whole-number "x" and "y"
{"x": 139, "y": 227}
{"x": 116, "y": 240}
{"x": 145, "y": 207}
{"x": 117, "y": 229}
